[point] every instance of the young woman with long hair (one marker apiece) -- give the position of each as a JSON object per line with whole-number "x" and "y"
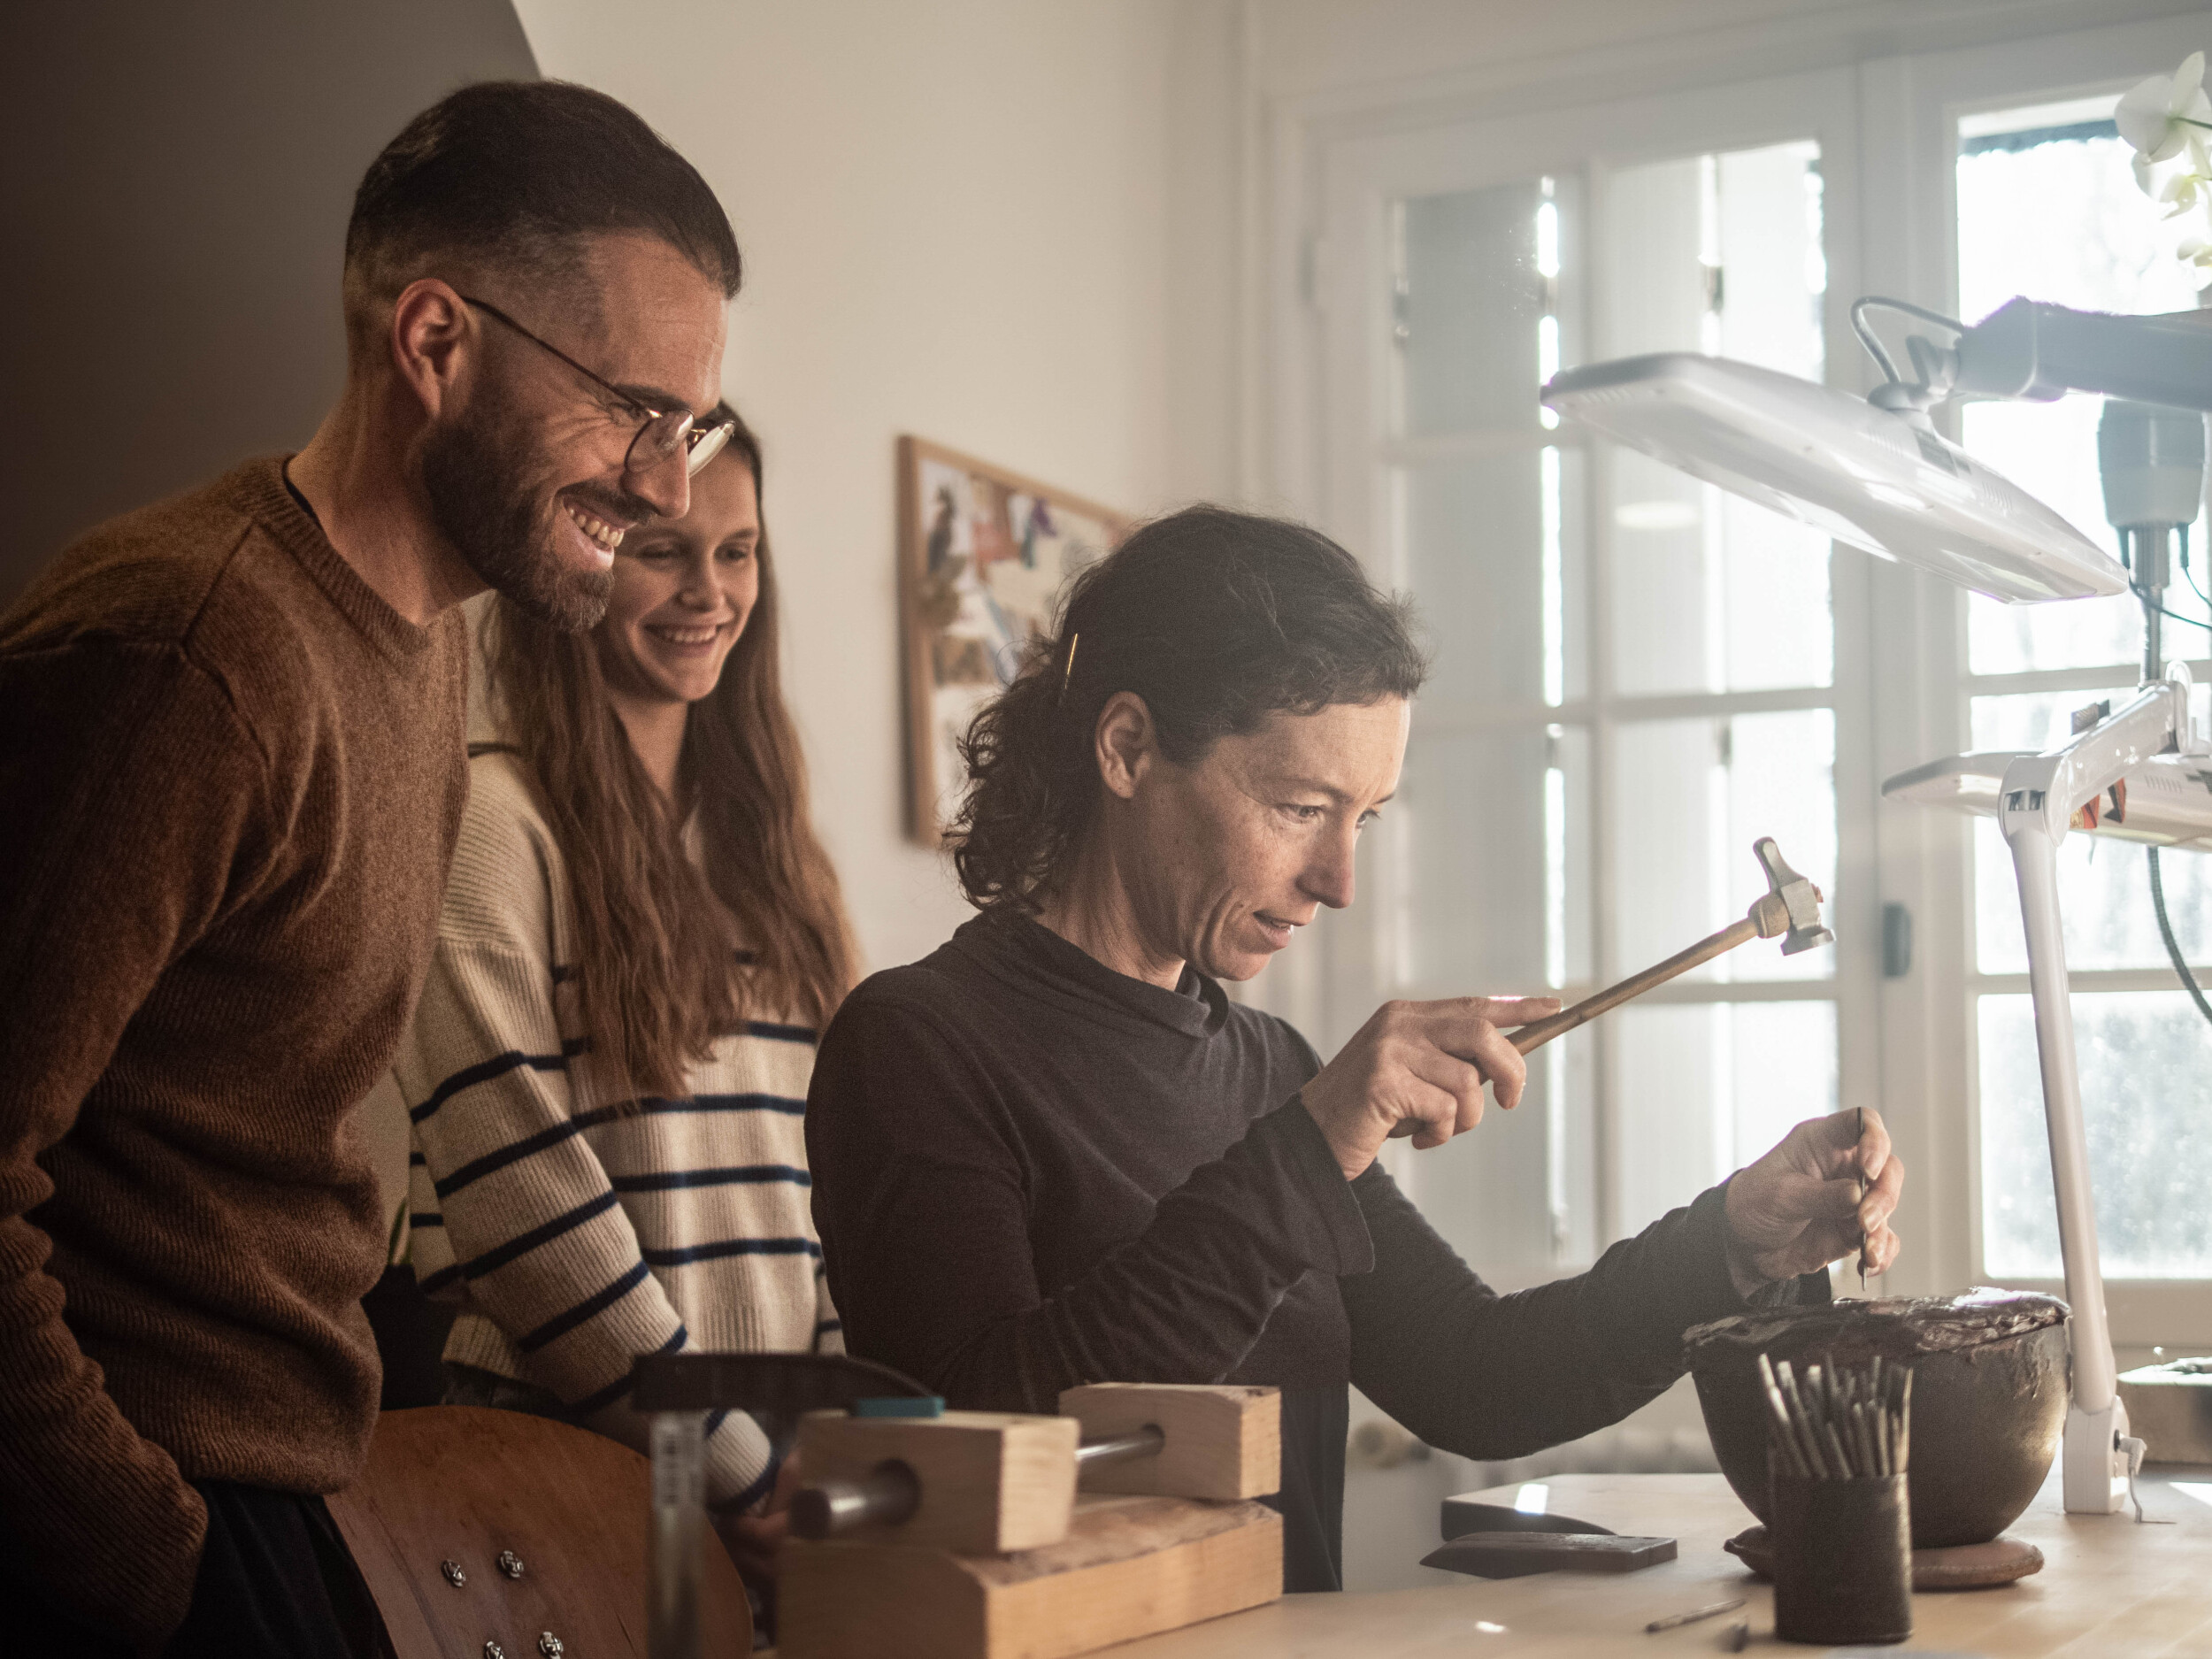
{"x": 640, "y": 939}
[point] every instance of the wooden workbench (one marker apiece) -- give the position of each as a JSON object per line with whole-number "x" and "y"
{"x": 2109, "y": 1588}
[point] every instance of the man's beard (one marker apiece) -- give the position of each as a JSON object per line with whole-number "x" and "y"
{"x": 476, "y": 473}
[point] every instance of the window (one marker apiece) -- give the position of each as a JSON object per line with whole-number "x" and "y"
{"x": 2047, "y": 208}
{"x": 1635, "y": 675}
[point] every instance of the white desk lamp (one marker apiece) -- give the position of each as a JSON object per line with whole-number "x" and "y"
{"x": 1874, "y": 473}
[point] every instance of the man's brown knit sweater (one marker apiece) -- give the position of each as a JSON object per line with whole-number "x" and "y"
{"x": 231, "y": 777}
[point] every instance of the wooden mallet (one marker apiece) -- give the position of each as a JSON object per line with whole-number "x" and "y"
{"x": 1788, "y": 910}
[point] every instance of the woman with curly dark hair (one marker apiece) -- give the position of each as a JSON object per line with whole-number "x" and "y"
{"x": 1055, "y": 1152}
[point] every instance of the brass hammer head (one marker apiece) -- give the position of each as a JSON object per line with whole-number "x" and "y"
{"x": 1790, "y": 908}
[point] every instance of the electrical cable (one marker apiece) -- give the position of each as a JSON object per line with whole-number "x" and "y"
{"x": 1875, "y": 348}
{"x": 1908, "y": 309}
{"x": 2193, "y": 588}
{"x": 2173, "y": 945}
{"x": 2187, "y": 575}
{"x": 2171, "y": 616}
{"x": 1872, "y": 342}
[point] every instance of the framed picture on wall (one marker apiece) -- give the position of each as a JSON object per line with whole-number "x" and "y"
{"x": 982, "y": 555}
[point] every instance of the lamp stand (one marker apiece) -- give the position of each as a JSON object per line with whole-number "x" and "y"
{"x": 2035, "y": 809}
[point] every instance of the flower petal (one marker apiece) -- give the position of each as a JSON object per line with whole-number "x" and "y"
{"x": 2143, "y": 113}
{"x": 2188, "y": 81}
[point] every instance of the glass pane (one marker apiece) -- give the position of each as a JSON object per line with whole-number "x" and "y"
{"x": 1489, "y": 543}
{"x": 2060, "y": 219}
{"x": 1659, "y": 246}
{"x": 2036, "y": 720}
{"x": 2052, "y": 449}
{"x": 1492, "y": 836}
{"x": 2030, "y": 721}
{"x": 1493, "y": 831}
{"x": 1709, "y": 593}
{"x": 2104, "y": 887}
{"x": 2145, "y": 1061}
{"x": 1708, "y": 1087}
{"x": 1514, "y": 1194}
{"x": 1693, "y": 795}
{"x": 2104, "y": 896}
{"x": 1470, "y": 299}
{"x": 1766, "y": 213}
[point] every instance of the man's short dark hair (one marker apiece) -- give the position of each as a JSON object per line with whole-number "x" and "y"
{"x": 518, "y": 175}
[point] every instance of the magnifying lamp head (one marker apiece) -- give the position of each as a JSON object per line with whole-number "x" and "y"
{"x": 1878, "y": 481}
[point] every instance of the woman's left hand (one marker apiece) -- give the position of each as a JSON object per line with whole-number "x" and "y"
{"x": 1797, "y": 1208}
{"x": 753, "y": 1540}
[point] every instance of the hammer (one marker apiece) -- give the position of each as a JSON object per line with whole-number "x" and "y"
{"x": 1788, "y": 910}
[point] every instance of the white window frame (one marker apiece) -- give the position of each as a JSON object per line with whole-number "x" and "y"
{"x": 1314, "y": 399}
{"x": 1932, "y": 1041}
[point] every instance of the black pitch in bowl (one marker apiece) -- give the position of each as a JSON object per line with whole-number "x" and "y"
{"x": 1991, "y": 1378}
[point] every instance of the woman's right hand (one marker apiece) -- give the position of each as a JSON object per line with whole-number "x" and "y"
{"x": 1418, "y": 1069}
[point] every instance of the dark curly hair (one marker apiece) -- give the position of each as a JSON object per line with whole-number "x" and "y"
{"x": 1216, "y": 620}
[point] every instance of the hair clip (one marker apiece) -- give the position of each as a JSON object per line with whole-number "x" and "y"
{"x": 1067, "y": 674}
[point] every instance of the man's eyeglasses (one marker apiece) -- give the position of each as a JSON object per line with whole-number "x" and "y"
{"x": 662, "y": 433}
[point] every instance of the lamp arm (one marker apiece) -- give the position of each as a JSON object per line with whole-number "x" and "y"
{"x": 2035, "y": 807}
{"x": 2057, "y": 783}
{"x": 2029, "y": 350}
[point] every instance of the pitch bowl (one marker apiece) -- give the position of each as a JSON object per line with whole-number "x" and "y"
{"x": 1991, "y": 1379}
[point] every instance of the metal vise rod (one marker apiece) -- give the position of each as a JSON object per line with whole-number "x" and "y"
{"x": 889, "y": 1493}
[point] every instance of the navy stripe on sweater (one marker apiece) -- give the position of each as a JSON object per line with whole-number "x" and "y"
{"x": 484, "y": 1072}
{"x": 733, "y": 1246}
{"x": 779, "y": 1033}
{"x": 553, "y": 1134}
{"x": 621, "y": 1386}
{"x": 740, "y": 1175}
{"x": 514, "y": 1152}
{"x": 782, "y": 1103}
{"x": 522, "y": 1244}
{"x": 561, "y": 1323}
{"x": 738, "y": 1503}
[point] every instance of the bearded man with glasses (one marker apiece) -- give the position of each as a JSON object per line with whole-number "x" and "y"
{"x": 232, "y": 755}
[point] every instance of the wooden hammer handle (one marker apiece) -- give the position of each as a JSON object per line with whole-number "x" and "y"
{"x": 1536, "y": 1035}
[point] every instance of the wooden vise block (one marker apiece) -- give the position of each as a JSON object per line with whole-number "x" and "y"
{"x": 991, "y": 1481}
{"x": 1221, "y": 1441}
{"x": 1129, "y": 1567}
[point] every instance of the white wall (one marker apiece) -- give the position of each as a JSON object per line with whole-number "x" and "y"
{"x": 954, "y": 224}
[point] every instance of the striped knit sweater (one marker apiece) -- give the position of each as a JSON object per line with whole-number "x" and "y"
{"x": 572, "y": 1237}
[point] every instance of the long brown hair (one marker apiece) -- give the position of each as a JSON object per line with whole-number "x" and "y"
{"x": 658, "y": 975}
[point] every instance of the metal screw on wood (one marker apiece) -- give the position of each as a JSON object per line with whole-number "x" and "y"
{"x": 550, "y": 1645}
{"x": 454, "y": 1576}
{"x": 890, "y": 1493}
{"x": 493, "y": 1650}
{"x": 510, "y": 1563}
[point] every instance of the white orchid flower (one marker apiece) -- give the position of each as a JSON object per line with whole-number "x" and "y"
{"x": 2197, "y": 252}
{"x": 2161, "y": 114}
